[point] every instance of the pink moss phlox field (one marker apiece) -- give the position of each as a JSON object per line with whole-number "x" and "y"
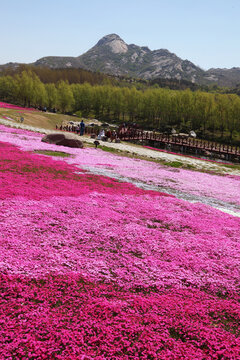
{"x": 225, "y": 188}
{"x": 37, "y": 177}
{"x": 91, "y": 268}
{"x": 133, "y": 237}
{"x": 70, "y": 317}
{"x": 15, "y": 107}
{"x": 213, "y": 187}
{"x": 12, "y": 134}
{"x": 125, "y": 239}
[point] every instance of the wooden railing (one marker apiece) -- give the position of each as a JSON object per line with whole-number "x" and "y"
{"x": 187, "y": 142}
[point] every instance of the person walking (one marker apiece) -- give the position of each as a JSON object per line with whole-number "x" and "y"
{"x": 82, "y": 128}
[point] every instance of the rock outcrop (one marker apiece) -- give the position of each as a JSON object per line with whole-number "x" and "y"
{"x": 68, "y": 140}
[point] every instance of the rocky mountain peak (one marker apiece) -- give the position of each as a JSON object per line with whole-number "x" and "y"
{"x": 113, "y": 56}
{"x": 116, "y": 44}
{"x": 108, "y": 38}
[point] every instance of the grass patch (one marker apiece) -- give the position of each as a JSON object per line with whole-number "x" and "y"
{"x": 110, "y": 149}
{"x": 176, "y": 164}
{"x": 37, "y": 118}
{"x": 52, "y": 153}
{"x": 233, "y": 166}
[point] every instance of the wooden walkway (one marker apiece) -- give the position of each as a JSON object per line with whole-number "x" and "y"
{"x": 176, "y": 143}
{"x": 183, "y": 144}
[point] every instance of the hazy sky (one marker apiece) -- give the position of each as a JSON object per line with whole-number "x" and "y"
{"x": 206, "y": 32}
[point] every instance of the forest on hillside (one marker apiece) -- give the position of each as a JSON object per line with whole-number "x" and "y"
{"x": 211, "y": 115}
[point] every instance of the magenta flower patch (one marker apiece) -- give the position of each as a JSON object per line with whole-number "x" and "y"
{"x": 15, "y": 107}
{"x": 68, "y": 317}
{"x": 93, "y": 268}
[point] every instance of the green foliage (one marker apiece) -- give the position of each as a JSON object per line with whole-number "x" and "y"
{"x": 65, "y": 99}
{"x": 176, "y": 164}
{"x": 52, "y": 153}
{"x": 109, "y": 149}
{"x": 78, "y": 113}
{"x": 73, "y": 76}
{"x": 213, "y": 116}
{"x": 52, "y": 95}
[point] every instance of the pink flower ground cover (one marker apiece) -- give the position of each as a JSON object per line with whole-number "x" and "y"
{"x": 15, "y": 107}
{"x": 96, "y": 269}
{"x": 68, "y": 317}
{"x": 212, "y": 188}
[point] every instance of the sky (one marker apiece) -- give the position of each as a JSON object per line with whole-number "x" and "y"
{"x": 206, "y": 32}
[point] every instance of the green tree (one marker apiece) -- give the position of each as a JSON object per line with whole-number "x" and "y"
{"x": 24, "y": 87}
{"x": 39, "y": 94}
{"x": 83, "y": 95}
{"x": 65, "y": 99}
{"x": 52, "y": 94}
{"x": 7, "y": 88}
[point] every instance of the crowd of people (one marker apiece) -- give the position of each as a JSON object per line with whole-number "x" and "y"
{"x": 78, "y": 129}
{"x": 104, "y": 135}
{"x": 109, "y": 134}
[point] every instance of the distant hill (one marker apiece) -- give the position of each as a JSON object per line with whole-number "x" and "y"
{"x": 111, "y": 55}
{"x": 72, "y": 75}
{"x": 225, "y": 77}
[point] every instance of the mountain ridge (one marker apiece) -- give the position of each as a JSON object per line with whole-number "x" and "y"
{"x": 111, "y": 55}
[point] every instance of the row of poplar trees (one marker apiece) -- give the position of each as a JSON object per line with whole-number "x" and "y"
{"x": 211, "y": 115}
